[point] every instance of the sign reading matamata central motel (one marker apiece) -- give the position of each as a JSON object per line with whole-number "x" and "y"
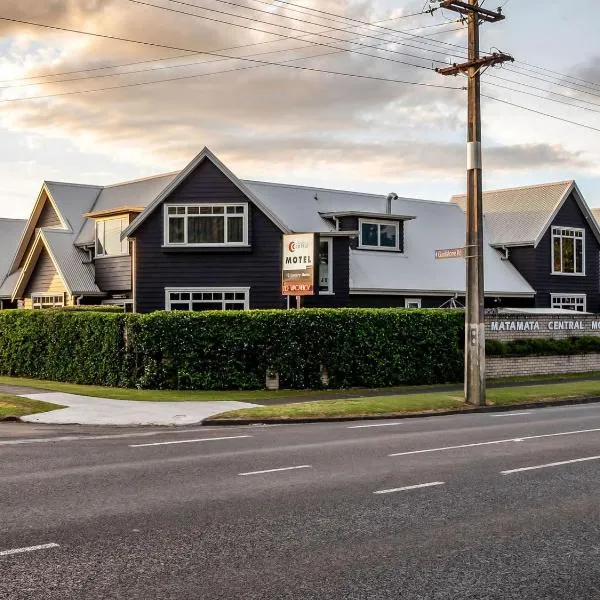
{"x": 298, "y": 266}
{"x": 563, "y": 325}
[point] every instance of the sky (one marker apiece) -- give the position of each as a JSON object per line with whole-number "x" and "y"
{"x": 283, "y": 124}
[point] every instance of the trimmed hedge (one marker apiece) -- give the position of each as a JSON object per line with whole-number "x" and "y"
{"x": 543, "y": 346}
{"x": 234, "y": 350}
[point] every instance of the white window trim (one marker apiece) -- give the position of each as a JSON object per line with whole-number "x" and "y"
{"x": 553, "y": 272}
{"x": 224, "y": 290}
{"x": 329, "y": 291}
{"x": 408, "y": 301}
{"x": 583, "y": 297}
{"x": 39, "y": 305}
{"x": 362, "y": 246}
{"x": 185, "y": 244}
{"x": 113, "y": 218}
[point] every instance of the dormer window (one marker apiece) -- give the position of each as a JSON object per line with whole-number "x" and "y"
{"x": 108, "y": 236}
{"x": 379, "y": 235}
{"x": 210, "y": 225}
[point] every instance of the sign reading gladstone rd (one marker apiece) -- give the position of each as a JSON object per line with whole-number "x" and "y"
{"x": 298, "y": 268}
{"x": 450, "y": 253}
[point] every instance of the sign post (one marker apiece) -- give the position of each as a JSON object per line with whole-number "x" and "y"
{"x": 298, "y": 266}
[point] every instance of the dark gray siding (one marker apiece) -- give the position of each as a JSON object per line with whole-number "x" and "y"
{"x": 48, "y": 216}
{"x": 113, "y": 274}
{"x": 341, "y": 278}
{"x": 535, "y": 264}
{"x": 257, "y": 267}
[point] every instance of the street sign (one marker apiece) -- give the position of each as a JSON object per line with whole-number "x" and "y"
{"x": 450, "y": 253}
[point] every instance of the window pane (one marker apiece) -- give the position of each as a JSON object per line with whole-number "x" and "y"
{"x": 205, "y": 230}
{"x": 235, "y": 306}
{"x": 557, "y": 262}
{"x": 568, "y": 255}
{"x": 388, "y": 236}
{"x": 579, "y": 256}
{"x": 100, "y": 237}
{"x": 199, "y": 306}
{"x": 112, "y": 236}
{"x": 369, "y": 234}
{"x": 180, "y": 306}
{"x": 176, "y": 230}
{"x": 235, "y": 230}
{"x": 324, "y": 266}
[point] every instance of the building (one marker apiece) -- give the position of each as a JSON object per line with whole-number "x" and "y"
{"x": 551, "y": 236}
{"x": 10, "y": 233}
{"x": 203, "y": 239}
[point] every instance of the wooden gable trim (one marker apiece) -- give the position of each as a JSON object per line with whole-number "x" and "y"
{"x": 39, "y": 243}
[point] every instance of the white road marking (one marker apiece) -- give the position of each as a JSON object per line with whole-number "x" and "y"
{"x": 513, "y": 414}
{"x": 115, "y": 436}
{"x": 375, "y": 425}
{"x": 275, "y": 470}
{"x": 28, "y": 549}
{"x": 216, "y": 439}
{"x": 554, "y": 464}
{"x": 521, "y": 439}
{"x": 410, "y": 487}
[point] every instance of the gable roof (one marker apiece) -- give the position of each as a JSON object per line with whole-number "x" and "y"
{"x": 437, "y": 225}
{"x": 520, "y": 216}
{"x": 205, "y": 154}
{"x": 70, "y": 201}
{"x": 11, "y": 231}
{"x": 71, "y": 264}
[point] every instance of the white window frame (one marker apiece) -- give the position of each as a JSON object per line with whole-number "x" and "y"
{"x": 329, "y": 291}
{"x": 186, "y": 244}
{"x": 409, "y": 301}
{"x": 557, "y": 231}
{"x": 557, "y": 301}
{"x": 125, "y": 241}
{"x": 378, "y": 222}
{"x": 192, "y": 290}
{"x": 38, "y": 303}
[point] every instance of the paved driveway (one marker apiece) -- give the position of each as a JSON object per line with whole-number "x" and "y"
{"x": 85, "y": 410}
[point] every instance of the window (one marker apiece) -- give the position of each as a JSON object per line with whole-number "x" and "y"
{"x": 206, "y": 225}
{"x": 412, "y": 302}
{"x": 108, "y": 237}
{"x": 383, "y": 235}
{"x": 198, "y": 299}
{"x": 325, "y": 266}
{"x": 39, "y": 301}
{"x": 568, "y": 251}
{"x": 575, "y": 302}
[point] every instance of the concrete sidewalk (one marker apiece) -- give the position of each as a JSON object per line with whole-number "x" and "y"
{"x": 85, "y": 410}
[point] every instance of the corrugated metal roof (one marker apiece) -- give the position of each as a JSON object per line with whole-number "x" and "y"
{"x": 72, "y": 262}
{"x": 11, "y": 231}
{"x": 519, "y": 215}
{"x": 137, "y": 193}
{"x": 8, "y": 286}
{"x": 437, "y": 225}
{"x": 73, "y": 200}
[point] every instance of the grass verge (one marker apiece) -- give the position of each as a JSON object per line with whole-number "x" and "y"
{"x": 15, "y": 406}
{"x": 401, "y": 404}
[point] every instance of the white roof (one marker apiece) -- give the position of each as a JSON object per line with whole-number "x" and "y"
{"x": 438, "y": 225}
{"x": 520, "y": 216}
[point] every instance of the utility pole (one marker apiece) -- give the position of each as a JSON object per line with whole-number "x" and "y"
{"x": 474, "y": 316}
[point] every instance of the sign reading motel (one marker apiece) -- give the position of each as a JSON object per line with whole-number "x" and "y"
{"x": 298, "y": 268}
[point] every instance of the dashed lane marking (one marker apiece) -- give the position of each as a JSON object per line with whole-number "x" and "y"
{"x": 410, "y": 487}
{"x": 216, "y": 439}
{"x": 28, "y": 549}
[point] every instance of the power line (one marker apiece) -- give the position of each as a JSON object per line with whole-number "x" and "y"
{"x": 164, "y": 58}
{"x": 287, "y": 27}
{"x": 595, "y": 84}
{"x": 74, "y": 79}
{"x": 539, "y": 112}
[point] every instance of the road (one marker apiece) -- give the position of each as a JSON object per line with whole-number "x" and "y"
{"x": 483, "y": 506}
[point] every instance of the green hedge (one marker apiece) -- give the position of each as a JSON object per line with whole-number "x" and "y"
{"x": 543, "y": 346}
{"x": 234, "y": 350}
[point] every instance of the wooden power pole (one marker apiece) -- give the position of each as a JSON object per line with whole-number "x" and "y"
{"x": 474, "y": 321}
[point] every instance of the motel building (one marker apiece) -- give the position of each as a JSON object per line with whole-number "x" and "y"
{"x": 203, "y": 239}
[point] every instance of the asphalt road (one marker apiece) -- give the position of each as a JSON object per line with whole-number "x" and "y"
{"x": 323, "y": 511}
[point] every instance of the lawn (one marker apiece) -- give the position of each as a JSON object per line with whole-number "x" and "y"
{"x": 402, "y": 404}
{"x": 15, "y": 406}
